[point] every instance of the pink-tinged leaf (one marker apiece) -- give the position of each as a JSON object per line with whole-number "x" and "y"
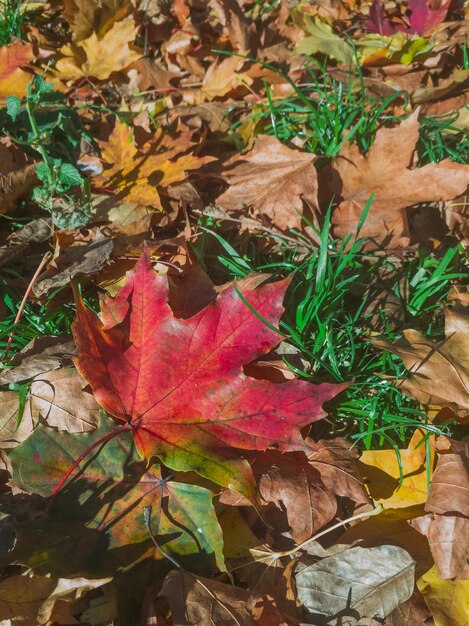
{"x": 378, "y": 22}
{"x": 423, "y": 18}
{"x": 179, "y": 383}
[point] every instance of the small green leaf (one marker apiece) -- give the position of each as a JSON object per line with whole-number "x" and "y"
{"x": 42, "y": 171}
{"x": 69, "y": 176}
{"x": 13, "y": 107}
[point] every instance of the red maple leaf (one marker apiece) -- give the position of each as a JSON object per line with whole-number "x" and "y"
{"x": 178, "y": 384}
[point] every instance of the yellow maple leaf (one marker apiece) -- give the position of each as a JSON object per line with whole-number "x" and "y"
{"x": 448, "y": 600}
{"x": 136, "y": 176}
{"x": 98, "y": 57}
{"x": 13, "y": 79}
{"x": 382, "y": 471}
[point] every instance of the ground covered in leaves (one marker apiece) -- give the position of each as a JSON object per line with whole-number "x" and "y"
{"x": 234, "y": 384}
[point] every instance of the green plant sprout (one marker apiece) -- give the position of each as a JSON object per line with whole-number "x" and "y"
{"x": 44, "y": 125}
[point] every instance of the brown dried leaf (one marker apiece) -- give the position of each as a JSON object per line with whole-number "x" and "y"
{"x": 87, "y": 16}
{"x": 40, "y": 355}
{"x": 292, "y": 481}
{"x": 58, "y": 398}
{"x": 336, "y": 462}
{"x": 386, "y": 171}
{"x": 272, "y": 179}
{"x": 439, "y": 372}
{"x": 203, "y": 602}
{"x": 447, "y": 537}
{"x": 12, "y": 434}
{"x": 76, "y": 260}
{"x": 446, "y": 524}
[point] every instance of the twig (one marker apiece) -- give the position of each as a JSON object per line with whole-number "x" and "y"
{"x": 44, "y": 262}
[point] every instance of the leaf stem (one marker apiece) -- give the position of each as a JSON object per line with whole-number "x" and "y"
{"x": 104, "y": 439}
{"x": 30, "y": 109}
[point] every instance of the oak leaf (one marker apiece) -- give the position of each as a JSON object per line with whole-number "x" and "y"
{"x": 272, "y": 179}
{"x": 178, "y": 384}
{"x": 98, "y": 57}
{"x": 386, "y": 171}
{"x": 438, "y": 371}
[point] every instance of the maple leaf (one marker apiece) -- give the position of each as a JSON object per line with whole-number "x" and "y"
{"x": 385, "y": 172}
{"x": 13, "y": 79}
{"x": 86, "y": 17}
{"x": 129, "y": 169}
{"x": 178, "y": 384}
{"x": 99, "y": 57}
{"x": 274, "y": 180}
{"x": 423, "y": 18}
{"x": 438, "y": 371}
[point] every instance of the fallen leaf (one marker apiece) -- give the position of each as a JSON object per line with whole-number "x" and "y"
{"x": 138, "y": 176}
{"x": 289, "y": 480}
{"x": 13, "y": 431}
{"x": 371, "y": 582}
{"x": 413, "y": 612}
{"x": 355, "y": 177}
{"x": 382, "y": 471}
{"x": 143, "y": 365}
{"x": 203, "y": 602}
{"x": 439, "y": 371}
{"x": 40, "y": 355}
{"x": 76, "y": 260}
{"x": 13, "y": 79}
{"x": 58, "y": 399}
{"x": 272, "y": 179}
{"x": 447, "y": 537}
{"x": 319, "y": 37}
{"x": 449, "y": 490}
{"x": 86, "y": 17}
{"x": 446, "y": 524}
{"x": 336, "y": 461}
{"x": 98, "y": 57}
{"x": 28, "y": 600}
{"x": 448, "y": 600}
{"x": 109, "y": 497}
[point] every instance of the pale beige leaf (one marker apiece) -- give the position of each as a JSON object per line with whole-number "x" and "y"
{"x": 370, "y": 581}
{"x": 58, "y": 398}
{"x": 12, "y": 434}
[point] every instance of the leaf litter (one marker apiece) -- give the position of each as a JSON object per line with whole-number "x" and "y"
{"x": 208, "y": 180}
